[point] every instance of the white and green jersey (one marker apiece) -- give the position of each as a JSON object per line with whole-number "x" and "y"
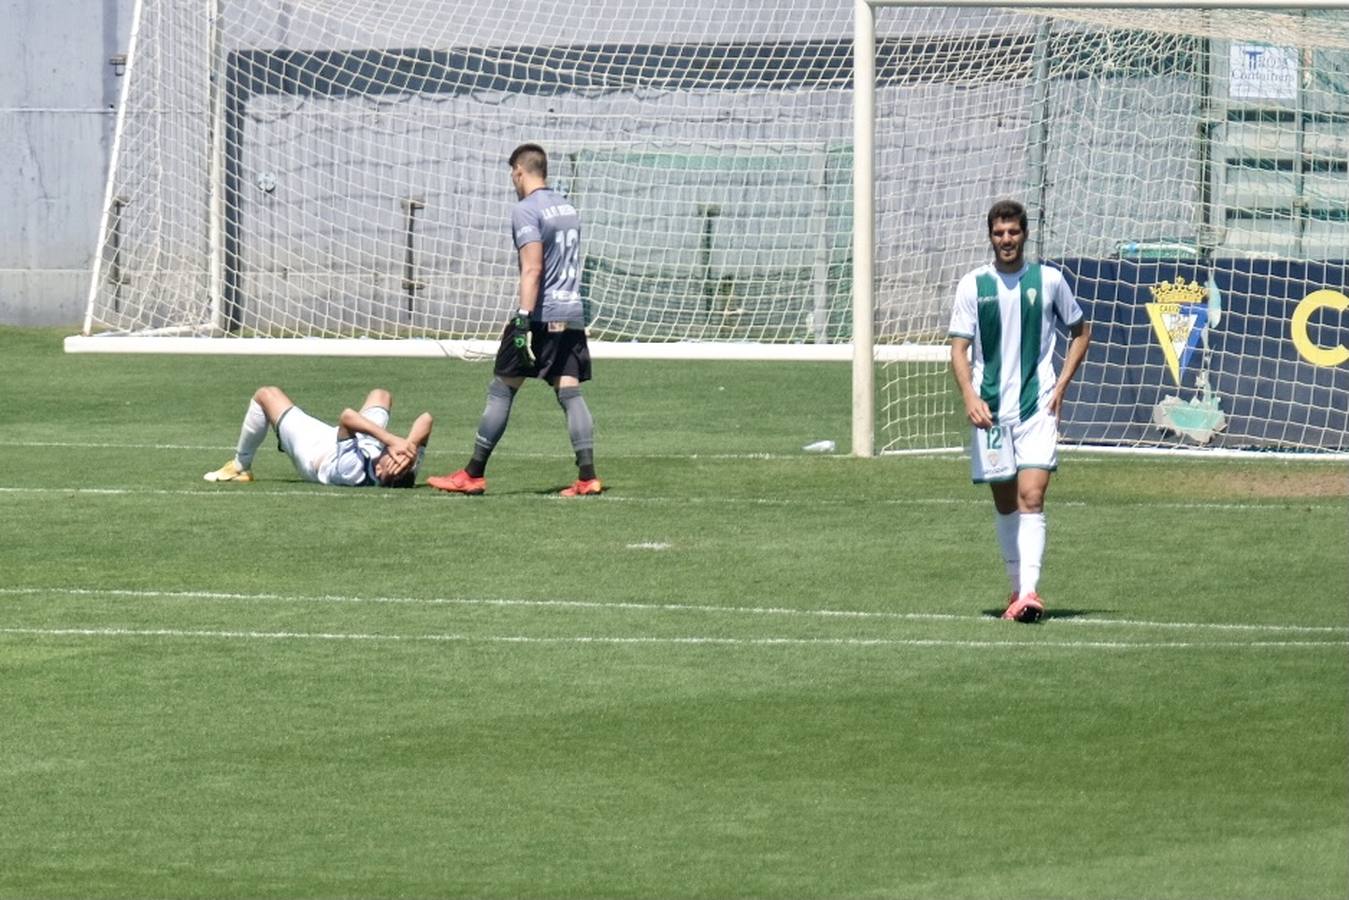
{"x": 1009, "y": 320}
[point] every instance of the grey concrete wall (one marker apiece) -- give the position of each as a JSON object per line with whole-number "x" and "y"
{"x": 57, "y": 99}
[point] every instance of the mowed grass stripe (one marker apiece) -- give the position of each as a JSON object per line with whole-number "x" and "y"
{"x": 621, "y": 606}
{"x": 1079, "y": 454}
{"x": 612, "y": 495}
{"x": 504, "y": 454}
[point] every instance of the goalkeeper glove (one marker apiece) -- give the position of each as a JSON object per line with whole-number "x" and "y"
{"x": 520, "y": 336}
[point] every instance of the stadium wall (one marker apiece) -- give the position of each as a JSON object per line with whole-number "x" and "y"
{"x": 58, "y": 93}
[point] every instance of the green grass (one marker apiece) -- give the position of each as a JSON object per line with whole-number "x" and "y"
{"x": 745, "y": 671}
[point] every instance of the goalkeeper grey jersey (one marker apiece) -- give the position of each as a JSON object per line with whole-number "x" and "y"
{"x": 549, "y": 218}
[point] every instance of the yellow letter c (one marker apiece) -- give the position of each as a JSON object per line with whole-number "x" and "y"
{"x": 1316, "y": 355}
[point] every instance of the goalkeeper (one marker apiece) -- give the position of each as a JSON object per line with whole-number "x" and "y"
{"x": 359, "y": 451}
{"x": 546, "y": 337}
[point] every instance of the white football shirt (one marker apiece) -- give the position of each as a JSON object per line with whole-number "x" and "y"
{"x": 1009, "y": 320}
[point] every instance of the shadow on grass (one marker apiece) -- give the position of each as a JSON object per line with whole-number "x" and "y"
{"x": 1053, "y": 613}
{"x": 557, "y": 492}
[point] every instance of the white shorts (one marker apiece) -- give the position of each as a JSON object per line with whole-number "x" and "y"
{"x": 318, "y": 455}
{"x": 998, "y": 453}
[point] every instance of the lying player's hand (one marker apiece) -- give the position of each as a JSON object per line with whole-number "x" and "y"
{"x": 389, "y": 468}
{"x": 403, "y": 449}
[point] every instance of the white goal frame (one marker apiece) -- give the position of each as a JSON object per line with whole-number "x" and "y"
{"x": 863, "y": 352}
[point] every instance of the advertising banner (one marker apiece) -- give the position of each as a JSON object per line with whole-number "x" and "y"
{"x": 1246, "y": 353}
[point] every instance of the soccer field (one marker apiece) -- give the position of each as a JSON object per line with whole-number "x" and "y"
{"x": 744, "y": 671}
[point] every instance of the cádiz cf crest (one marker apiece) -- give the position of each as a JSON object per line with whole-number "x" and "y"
{"x": 1180, "y": 314}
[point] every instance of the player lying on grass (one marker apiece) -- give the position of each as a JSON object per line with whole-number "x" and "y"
{"x": 359, "y": 451}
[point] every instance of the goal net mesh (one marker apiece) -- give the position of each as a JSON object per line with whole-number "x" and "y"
{"x": 1186, "y": 169}
{"x": 336, "y": 169}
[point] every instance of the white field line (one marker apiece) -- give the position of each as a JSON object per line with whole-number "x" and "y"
{"x": 621, "y": 606}
{"x": 221, "y": 448}
{"x": 676, "y": 641}
{"x": 94, "y": 445}
{"x": 304, "y": 490}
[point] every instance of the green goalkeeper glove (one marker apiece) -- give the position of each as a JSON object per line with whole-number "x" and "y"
{"x": 520, "y": 336}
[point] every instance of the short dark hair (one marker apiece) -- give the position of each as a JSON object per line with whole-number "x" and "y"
{"x": 1008, "y": 209}
{"x": 531, "y": 158}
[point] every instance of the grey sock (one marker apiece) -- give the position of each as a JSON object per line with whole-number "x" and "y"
{"x": 492, "y": 425}
{"x": 580, "y": 427}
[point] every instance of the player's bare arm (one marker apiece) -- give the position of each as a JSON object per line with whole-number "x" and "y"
{"x": 420, "y": 432}
{"x": 417, "y": 437}
{"x": 976, "y": 410}
{"x": 399, "y": 461}
{"x": 531, "y": 273}
{"x": 1080, "y": 338}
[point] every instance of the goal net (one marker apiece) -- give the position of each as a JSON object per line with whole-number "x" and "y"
{"x": 337, "y": 169}
{"x": 1187, "y": 169}
{"x": 329, "y": 176}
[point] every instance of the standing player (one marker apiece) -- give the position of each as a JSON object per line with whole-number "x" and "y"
{"x": 360, "y": 451}
{"x": 546, "y": 337}
{"x": 1004, "y": 312}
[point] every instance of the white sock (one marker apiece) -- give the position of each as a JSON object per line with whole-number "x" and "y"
{"x": 1031, "y": 543}
{"x": 1008, "y": 528}
{"x": 250, "y": 435}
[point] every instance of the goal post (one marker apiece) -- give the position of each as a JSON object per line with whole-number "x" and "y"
{"x": 864, "y": 232}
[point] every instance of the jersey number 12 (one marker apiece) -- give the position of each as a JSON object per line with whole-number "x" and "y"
{"x": 568, "y": 244}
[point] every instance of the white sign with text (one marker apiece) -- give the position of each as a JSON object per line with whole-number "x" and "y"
{"x": 1261, "y": 72}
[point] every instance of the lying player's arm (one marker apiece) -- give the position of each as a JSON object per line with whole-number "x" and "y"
{"x": 417, "y": 438}
{"x": 976, "y": 410}
{"x": 352, "y": 423}
{"x": 421, "y": 430}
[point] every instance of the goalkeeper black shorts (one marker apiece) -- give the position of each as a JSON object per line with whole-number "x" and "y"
{"x": 556, "y": 353}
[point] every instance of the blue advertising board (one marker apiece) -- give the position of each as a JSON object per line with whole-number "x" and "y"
{"x": 1260, "y": 362}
